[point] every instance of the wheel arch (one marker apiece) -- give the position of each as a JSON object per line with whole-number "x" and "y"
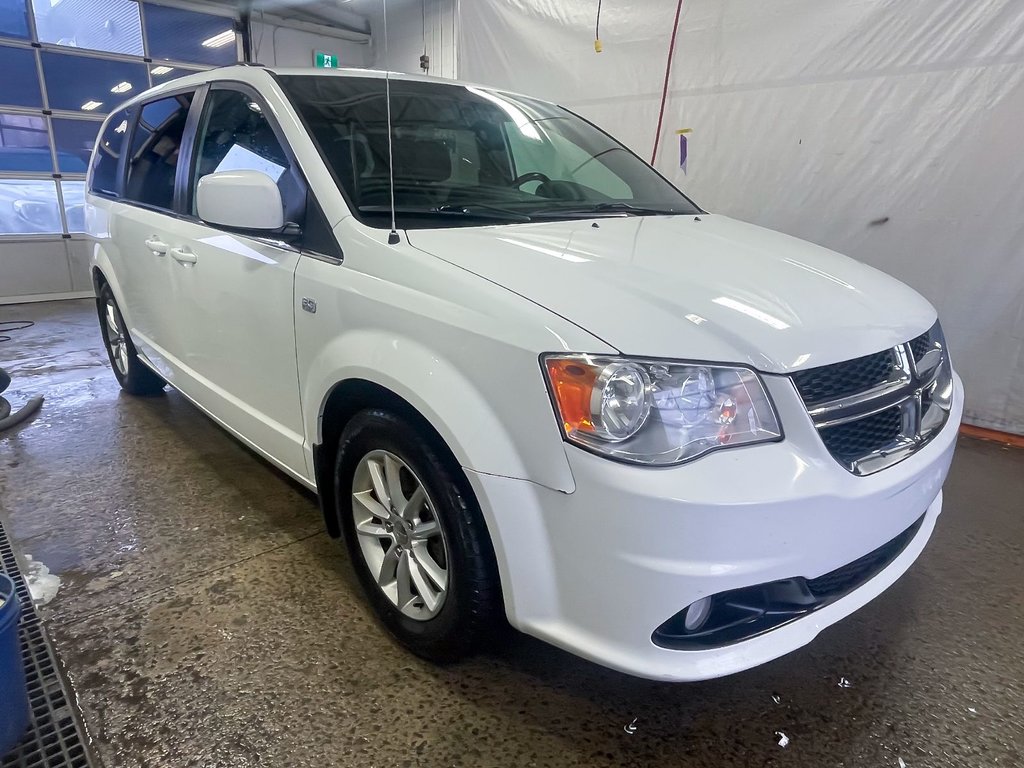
{"x": 98, "y": 279}
{"x": 343, "y": 401}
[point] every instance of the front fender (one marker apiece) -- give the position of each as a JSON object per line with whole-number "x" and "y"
{"x": 474, "y": 423}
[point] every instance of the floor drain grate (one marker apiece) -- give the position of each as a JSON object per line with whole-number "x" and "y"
{"x": 55, "y": 738}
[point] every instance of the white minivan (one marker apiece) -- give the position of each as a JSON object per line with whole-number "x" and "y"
{"x": 555, "y": 391}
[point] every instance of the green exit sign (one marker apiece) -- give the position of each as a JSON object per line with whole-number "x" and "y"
{"x": 325, "y": 60}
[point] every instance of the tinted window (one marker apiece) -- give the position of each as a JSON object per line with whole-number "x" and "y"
{"x": 153, "y": 160}
{"x": 19, "y": 83}
{"x": 74, "y": 140}
{"x": 13, "y": 19}
{"x": 102, "y": 25}
{"x": 180, "y": 35}
{"x": 89, "y": 84}
{"x": 24, "y": 144}
{"x": 466, "y": 155}
{"x": 235, "y": 135}
{"x": 103, "y": 177}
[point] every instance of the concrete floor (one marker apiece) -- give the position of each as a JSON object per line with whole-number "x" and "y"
{"x": 206, "y": 620}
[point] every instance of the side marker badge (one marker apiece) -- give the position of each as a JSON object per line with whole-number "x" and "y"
{"x": 309, "y": 305}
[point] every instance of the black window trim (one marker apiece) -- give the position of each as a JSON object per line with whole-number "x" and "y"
{"x": 183, "y": 181}
{"x": 119, "y": 172}
{"x": 134, "y": 110}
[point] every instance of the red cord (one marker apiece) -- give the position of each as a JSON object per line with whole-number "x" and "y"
{"x": 664, "y": 89}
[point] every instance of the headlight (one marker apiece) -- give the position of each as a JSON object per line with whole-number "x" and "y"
{"x": 658, "y": 413}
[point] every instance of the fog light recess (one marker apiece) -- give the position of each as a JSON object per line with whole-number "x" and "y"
{"x": 696, "y": 614}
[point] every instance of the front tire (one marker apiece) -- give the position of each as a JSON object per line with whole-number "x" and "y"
{"x": 131, "y": 373}
{"x": 416, "y": 537}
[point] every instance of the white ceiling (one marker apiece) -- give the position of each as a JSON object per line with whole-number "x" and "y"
{"x": 353, "y": 16}
{"x": 371, "y": 8}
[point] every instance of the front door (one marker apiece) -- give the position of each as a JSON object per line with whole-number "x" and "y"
{"x": 236, "y": 306}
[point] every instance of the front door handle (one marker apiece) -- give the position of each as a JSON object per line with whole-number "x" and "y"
{"x": 157, "y": 246}
{"x": 183, "y": 256}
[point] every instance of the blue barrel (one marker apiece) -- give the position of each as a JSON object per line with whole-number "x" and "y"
{"x": 13, "y": 694}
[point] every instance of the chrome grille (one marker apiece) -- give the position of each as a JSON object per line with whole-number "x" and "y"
{"x": 920, "y": 346}
{"x": 831, "y": 382}
{"x": 853, "y": 439}
{"x": 874, "y": 411}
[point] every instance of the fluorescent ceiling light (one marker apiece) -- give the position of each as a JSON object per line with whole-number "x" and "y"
{"x": 123, "y": 87}
{"x": 218, "y": 41}
{"x": 161, "y": 70}
{"x": 91, "y": 105}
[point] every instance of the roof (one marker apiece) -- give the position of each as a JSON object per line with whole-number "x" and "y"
{"x": 254, "y": 74}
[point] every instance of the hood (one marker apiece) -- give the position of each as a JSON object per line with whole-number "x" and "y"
{"x": 710, "y": 289}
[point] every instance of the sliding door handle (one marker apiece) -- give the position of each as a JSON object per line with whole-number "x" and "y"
{"x": 157, "y": 246}
{"x": 183, "y": 256}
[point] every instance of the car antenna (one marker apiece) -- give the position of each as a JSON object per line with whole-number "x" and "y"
{"x": 393, "y": 238}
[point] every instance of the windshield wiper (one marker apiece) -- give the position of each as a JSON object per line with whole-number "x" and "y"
{"x": 473, "y": 211}
{"x": 482, "y": 210}
{"x": 627, "y": 209}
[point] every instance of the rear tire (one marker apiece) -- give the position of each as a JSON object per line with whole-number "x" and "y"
{"x": 422, "y": 552}
{"x": 131, "y": 373}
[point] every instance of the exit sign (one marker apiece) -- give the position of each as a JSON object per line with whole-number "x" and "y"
{"x": 325, "y": 60}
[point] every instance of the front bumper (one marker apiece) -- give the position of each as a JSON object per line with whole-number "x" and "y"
{"x": 598, "y": 570}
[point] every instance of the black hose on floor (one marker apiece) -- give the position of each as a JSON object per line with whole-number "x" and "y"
{"x": 11, "y": 419}
{"x": 8, "y": 419}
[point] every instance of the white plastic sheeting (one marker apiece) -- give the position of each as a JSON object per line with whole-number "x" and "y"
{"x": 889, "y": 130}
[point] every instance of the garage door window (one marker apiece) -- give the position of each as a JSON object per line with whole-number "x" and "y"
{"x": 24, "y": 144}
{"x": 181, "y": 35}
{"x": 29, "y": 207}
{"x": 74, "y": 140}
{"x": 90, "y": 85}
{"x": 156, "y": 141}
{"x": 19, "y": 83}
{"x": 102, "y": 25}
{"x": 13, "y": 19}
{"x": 64, "y": 66}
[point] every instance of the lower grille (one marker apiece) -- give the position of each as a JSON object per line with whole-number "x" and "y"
{"x": 854, "y": 439}
{"x": 850, "y": 576}
{"x": 747, "y": 612}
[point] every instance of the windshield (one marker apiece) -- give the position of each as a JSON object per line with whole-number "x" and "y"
{"x": 467, "y": 156}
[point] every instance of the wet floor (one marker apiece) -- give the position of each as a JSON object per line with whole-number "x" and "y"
{"x": 206, "y": 620}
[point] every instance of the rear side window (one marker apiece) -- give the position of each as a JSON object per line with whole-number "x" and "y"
{"x": 103, "y": 174}
{"x": 156, "y": 143}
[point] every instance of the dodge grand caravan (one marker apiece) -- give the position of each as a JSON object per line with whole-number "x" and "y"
{"x": 556, "y": 391}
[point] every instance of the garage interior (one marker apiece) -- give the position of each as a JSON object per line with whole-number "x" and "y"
{"x": 204, "y": 617}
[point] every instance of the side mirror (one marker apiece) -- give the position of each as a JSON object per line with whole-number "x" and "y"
{"x": 240, "y": 200}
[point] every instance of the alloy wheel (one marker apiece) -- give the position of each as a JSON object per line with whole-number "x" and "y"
{"x": 399, "y": 535}
{"x": 116, "y": 338}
